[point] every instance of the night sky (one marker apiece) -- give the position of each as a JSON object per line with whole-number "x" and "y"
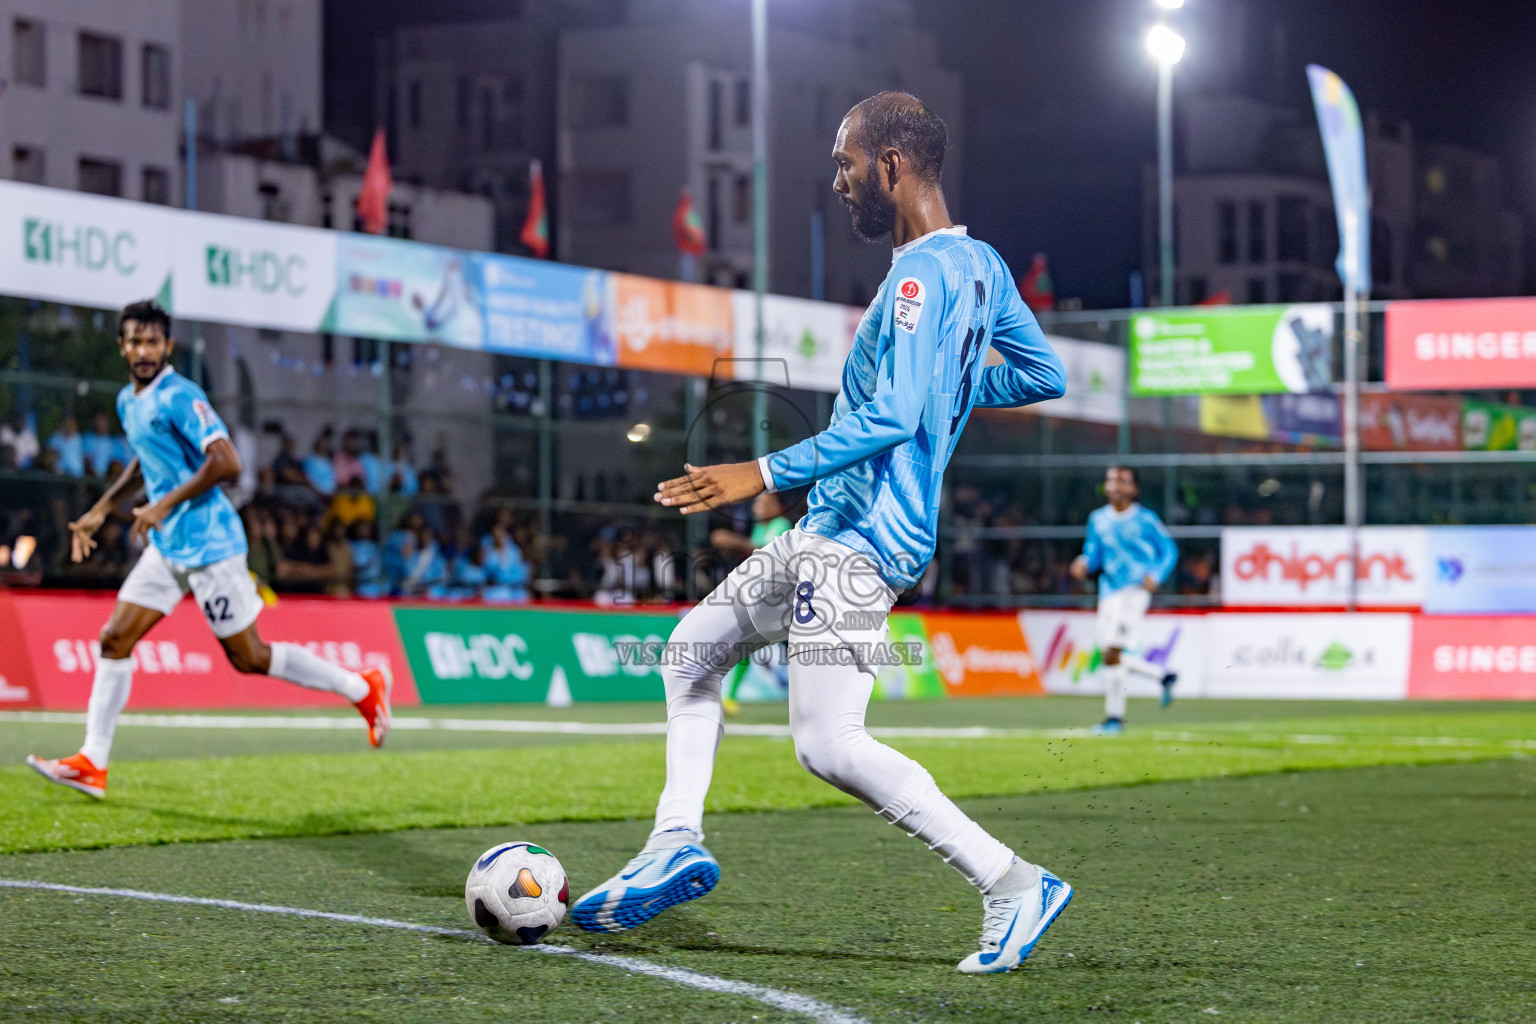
{"x": 1059, "y": 97}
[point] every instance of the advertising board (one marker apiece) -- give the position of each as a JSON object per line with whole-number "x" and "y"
{"x": 1069, "y": 659}
{"x": 1095, "y": 379}
{"x": 1492, "y": 427}
{"x": 1308, "y": 566}
{"x": 981, "y": 654}
{"x": 1471, "y": 658}
{"x": 546, "y": 310}
{"x": 670, "y": 327}
{"x": 1410, "y": 423}
{"x": 1462, "y": 344}
{"x": 406, "y": 291}
{"x": 239, "y": 271}
{"x": 1481, "y": 570}
{"x": 804, "y": 343}
{"x": 1307, "y": 657}
{"x": 1250, "y": 350}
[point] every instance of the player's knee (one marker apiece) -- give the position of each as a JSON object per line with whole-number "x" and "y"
{"x": 115, "y": 643}
{"x": 830, "y": 755}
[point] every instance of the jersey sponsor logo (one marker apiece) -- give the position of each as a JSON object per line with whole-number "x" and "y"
{"x": 205, "y": 414}
{"x": 909, "y": 304}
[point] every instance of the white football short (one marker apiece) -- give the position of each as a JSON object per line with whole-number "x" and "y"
{"x": 1121, "y": 615}
{"x": 224, "y": 591}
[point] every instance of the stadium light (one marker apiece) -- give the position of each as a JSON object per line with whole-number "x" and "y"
{"x": 1165, "y": 45}
{"x": 639, "y": 432}
{"x": 1171, "y": 5}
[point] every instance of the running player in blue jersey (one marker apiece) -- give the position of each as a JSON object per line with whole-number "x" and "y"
{"x": 917, "y": 368}
{"x": 194, "y": 541}
{"x": 1129, "y": 548}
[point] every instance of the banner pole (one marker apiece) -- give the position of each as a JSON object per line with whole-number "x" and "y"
{"x": 1352, "y": 484}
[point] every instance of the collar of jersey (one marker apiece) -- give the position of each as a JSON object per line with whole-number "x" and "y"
{"x": 901, "y": 250}
{"x": 165, "y": 371}
{"x": 1130, "y": 511}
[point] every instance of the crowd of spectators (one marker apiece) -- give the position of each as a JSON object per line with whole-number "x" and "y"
{"x": 67, "y": 452}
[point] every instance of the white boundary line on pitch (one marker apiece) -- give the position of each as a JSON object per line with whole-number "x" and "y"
{"x": 565, "y": 728}
{"x": 805, "y": 1006}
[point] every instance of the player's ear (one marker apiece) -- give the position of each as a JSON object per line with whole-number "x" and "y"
{"x": 891, "y": 167}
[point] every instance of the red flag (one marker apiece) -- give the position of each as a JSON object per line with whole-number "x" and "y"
{"x": 1037, "y": 291}
{"x": 373, "y": 200}
{"x": 535, "y": 234}
{"x": 686, "y": 227}
{"x": 1221, "y": 298}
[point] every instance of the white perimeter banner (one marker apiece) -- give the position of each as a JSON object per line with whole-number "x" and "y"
{"x": 238, "y": 271}
{"x": 1095, "y": 380}
{"x": 1308, "y": 566}
{"x": 1308, "y": 657}
{"x": 804, "y": 340}
{"x": 1063, "y": 645}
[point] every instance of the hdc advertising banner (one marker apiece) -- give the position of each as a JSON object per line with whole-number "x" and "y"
{"x": 1462, "y": 344}
{"x": 88, "y": 250}
{"x": 1253, "y": 350}
{"x": 1308, "y": 566}
{"x": 1308, "y": 657}
{"x": 237, "y": 271}
{"x": 1481, "y": 569}
{"x": 181, "y": 664}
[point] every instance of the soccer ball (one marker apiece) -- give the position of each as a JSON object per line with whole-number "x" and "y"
{"x": 517, "y": 892}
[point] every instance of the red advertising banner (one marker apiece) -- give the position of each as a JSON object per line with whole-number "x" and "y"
{"x": 1472, "y": 658}
{"x": 17, "y": 687}
{"x": 1410, "y": 423}
{"x": 181, "y": 664}
{"x": 982, "y": 655}
{"x": 1461, "y": 344}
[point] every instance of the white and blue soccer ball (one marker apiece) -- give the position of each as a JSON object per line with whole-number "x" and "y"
{"x": 517, "y": 893}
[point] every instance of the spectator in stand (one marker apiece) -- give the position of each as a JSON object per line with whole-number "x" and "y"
{"x": 413, "y": 560}
{"x": 292, "y": 486}
{"x": 339, "y": 548}
{"x": 346, "y": 464}
{"x": 68, "y": 447}
{"x": 506, "y": 572}
{"x": 468, "y": 578}
{"x": 373, "y": 466}
{"x": 20, "y": 438}
{"x": 306, "y": 564}
{"x": 318, "y": 470}
{"x": 402, "y": 475}
{"x": 265, "y": 553}
{"x": 103, "y": 447}
{"x": 351, "y": 504}
{"x": 367, "y": 561}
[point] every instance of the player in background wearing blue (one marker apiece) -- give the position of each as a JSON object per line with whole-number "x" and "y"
{"x": 917, "y": 367}
{"x": 1129, "y": 548}
{"x": 194, "y": 541}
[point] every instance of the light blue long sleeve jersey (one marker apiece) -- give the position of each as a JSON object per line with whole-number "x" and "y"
{"x": 170, "y": 425}
{"x": 1127, "y": 547}
{"x": 917, "y": 368}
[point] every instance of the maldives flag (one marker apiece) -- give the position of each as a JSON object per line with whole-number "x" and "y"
{"x": 1037, "y": 291}
{"x": 373, "y": 200}
{"x": 535, "y": 234}
{"x": 686, "y": 227}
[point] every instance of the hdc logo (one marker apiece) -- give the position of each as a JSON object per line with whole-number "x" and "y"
{"x": 262, "y": 271}
{"x": 86, "y": 247}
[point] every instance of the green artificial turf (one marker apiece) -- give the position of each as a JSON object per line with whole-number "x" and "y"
{"x": 1372, "y": 895}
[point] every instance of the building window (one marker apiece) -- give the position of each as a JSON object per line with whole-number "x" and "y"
{"x": 599, "y": 101}
{"x": 511, "y": 130}
{"x": 1381, "y": 252}
{"x": 1258, "y": 232}
{"x": 157, "y": 185}
{"x": 156, "y": 73}
{"x": 600, "y": 198}
{"x": 29, "y": 55}
{"x": 101, "y": 66}
{"x": 716, "y": 116}
{"x": 398, "y": 224}
{"x": 1258, "y": 291}
{"x": 103, "y": 177}
{"x": 1196, "y": 291}
{"x": 1293, "y": 288}
{"x": 1326, "y": 251}
{"x": 822, "y": 111}
{"x": 29, "y": 164}
{"x": 1226, "y": 232}
{"x": 413, "y": 103}
{"x": 463, "y": 99}
{"x": 741, "y": 199}
{"x": 1292, "y": 233}
{"x": 743, "y": 105}
{"x": 712, "y": 213}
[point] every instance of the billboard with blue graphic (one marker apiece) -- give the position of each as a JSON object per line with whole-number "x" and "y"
{"x": 1481, "y": 570}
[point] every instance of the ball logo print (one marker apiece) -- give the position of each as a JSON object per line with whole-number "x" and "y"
{"x": 909, "y": 288}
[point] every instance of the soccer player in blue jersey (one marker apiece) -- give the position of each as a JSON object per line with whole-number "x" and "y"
{"x": 1129, "y": 548}
{"x": 917, "y": 368}
{"x": 194, "y": 541}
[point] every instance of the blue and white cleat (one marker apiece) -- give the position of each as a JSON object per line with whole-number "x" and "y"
{"x": 1109, "y": 727}
{"x": 1168, "y": 680}
{"x": 1014, "y": 924}
{"x": 660, "y": 877}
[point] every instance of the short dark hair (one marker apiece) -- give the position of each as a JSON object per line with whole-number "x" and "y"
{"x": 1130, "y": 470}
{"x": 901, "y": 121}
{"x": 147, "y": 312}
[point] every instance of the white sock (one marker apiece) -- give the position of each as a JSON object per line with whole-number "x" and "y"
{"x": 1136, "y": 665}
{"x": 695, "y": 724}
{"x": 921, "y": 810}
{"x": 109, "y": 692}
{"x": 1114, "y": 691}
{"x": 1021, "y": 876}
{"x": 302, "y": 666}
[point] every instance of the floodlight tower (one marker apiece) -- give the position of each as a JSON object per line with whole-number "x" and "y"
{"x": 1167, "y": 48}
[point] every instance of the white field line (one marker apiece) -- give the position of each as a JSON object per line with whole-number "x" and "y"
{"x": 791, "y": 1002}
{"x": 502, "y": 725}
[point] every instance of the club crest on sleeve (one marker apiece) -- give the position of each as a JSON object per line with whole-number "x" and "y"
{"x": 205, "y": 414}
{"x": 909, "y": 303}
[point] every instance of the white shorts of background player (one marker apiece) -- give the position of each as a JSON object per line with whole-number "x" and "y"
{"x": 1122, "y": 614}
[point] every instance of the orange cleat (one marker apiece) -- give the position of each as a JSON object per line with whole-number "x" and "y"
{"x": 76, "y": 771}
{"x": 375, "y": 707}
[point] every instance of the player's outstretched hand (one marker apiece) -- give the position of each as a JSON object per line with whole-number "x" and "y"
{"x": 1079, "y": 568}
{"x": 146, "y": 518}
{"x": 1150, "y": 582}
{"x": 711, "y": 487}
{"x": 82, "y": 534}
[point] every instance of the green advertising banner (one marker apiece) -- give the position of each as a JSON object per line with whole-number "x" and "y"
{"x": 1249, "y": 350}
{"x": 918, "y": 681}
{"x": 1490, "y": 427}
{"x": 475, "y": 655}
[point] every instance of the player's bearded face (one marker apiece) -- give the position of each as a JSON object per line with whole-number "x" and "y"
{"x": 873, "y": 209}
{"x": 146, "y": 349}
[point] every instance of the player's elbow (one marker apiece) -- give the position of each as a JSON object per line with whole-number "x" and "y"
{"x": 1053, "y": 380}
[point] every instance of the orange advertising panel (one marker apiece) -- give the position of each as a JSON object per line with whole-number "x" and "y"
{"x": 982, "y": 655}
{"x": 669, "y": 326}
{"x": 1410, "y": 423}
